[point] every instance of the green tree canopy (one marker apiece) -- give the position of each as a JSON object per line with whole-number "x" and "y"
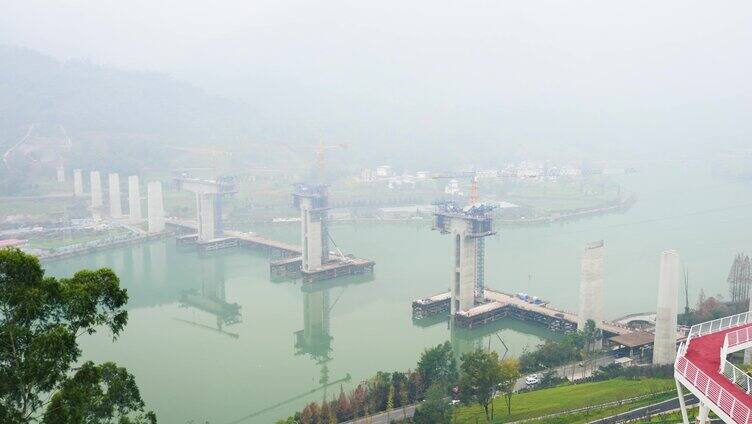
{"x": 480, "y": 374}
{"x": 437, "y": 364}
{"x": 435, "y": 409}
{"x": 40, "y": 320}
{"x": 510, "y": 373}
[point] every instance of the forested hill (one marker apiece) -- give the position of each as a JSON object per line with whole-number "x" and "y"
{"x": 103, "y": 105}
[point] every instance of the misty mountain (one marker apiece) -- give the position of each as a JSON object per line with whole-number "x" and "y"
{"x": 104, "y": 106}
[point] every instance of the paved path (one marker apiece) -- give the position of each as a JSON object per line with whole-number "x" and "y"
{"x": 570, "y": 370}
{"x": 397, "y": 414}
{"x": 649, "y": 410}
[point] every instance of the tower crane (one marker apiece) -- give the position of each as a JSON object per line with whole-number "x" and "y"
{"x": 473, "y": 196}
{"x": 320, "y": 150}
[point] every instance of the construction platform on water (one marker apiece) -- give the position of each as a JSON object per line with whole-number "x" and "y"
{"x": 335, "y": 267}
{"x": 231, "y": 239}
{"x": 498, "y": 305}
{"x": 289, "y": 262}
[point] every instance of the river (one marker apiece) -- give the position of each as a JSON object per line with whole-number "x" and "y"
{"x": 294, "y": 345}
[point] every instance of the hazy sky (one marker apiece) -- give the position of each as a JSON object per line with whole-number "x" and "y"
{"x": 575, "y": 75}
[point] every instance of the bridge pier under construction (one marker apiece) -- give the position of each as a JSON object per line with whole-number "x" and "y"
{"x": 316, "y": 261}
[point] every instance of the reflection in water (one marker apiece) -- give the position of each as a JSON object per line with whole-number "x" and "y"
{"x": 492, "y": 337}
{"x": 315, "y": 338}
{"x": 462, "y": 341}
{"x": 211, "y": 298}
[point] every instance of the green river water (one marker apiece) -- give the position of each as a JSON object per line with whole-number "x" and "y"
{"x": 191, "y": 367}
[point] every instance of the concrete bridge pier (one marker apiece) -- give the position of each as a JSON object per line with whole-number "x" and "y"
{"x": 155, "y": 207}
{"x": 208, "y": 204}
{"x": 134, "y": 199}
{"x": 96, "y": 190}
{"x": 664, "y": 348}
{"x": 468, "y": 227}
{"x": 313, "y": 202}
{"x": 591, "y": 289}
{"x": 78, "y": 183}
{"x": 116, "y": 211}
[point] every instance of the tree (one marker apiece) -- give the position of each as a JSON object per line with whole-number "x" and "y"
{"x": 326, "y": 415}
{"x": 358, "y": 401}
{"x": 437, "y": 364}
{"x": 404, "y": 400}
{"x": 480, "y": 374}
{"x": 399, "y": 383}
{"x": 434, "y": 410}
{"x": 310, "y": 414}
{"x": 550, "y": 378}
{"x": 40, "y": 321}
{"x": 378, "y": 391}
{"x": 343, "y": 409}
{"x": 94, "y": 394}
{"x": 592, "y": 334}
{"x": 415, "y": 387}
{"x": 551, "y": 353}
{"x": 510, "y": 373}
{"x": 389, "y": 402}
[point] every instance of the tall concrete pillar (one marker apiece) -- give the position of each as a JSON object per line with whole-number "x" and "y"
{"x": 155, "y": 207}
{"x": 205, "y": 205}
{"x": 96, "y": 190}
{"x": 60, "y": 173}
{"x": 464, "y": 270}
{"x": 115, "y": 203}
{"x": 664, "y": 347}
{"x": 311, "y": 234}
{"x": 134, "y": 199}
{"x": 591, "y": 286}
{"x": 78, "y": 183}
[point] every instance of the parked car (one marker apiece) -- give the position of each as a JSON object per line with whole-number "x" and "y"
{"x": 532, "y": 380}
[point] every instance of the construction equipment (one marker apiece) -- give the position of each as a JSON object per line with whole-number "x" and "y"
{"x": 320, "y": 150}
{"x": 473, "y": 196}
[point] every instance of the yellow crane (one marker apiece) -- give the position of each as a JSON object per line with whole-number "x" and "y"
{"x": 473, "y": 197}
{"x": 320, "y": 150}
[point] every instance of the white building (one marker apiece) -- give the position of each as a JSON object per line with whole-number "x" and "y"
{"x": 452, "y": 188}
{"x": 384, "y": 171}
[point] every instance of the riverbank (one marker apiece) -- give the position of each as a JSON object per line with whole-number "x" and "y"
{"x": 621, "y": 206}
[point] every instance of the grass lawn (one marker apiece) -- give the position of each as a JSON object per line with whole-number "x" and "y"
{"x": 588, "y": 416}
{"x": 558, "y": 399}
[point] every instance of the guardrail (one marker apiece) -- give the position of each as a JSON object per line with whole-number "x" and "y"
{"x": 719, "y": 324}
{"x": 739, "y": 377}
{"x": 733, "y": 339}
{"x": 738, "y": 337}
{"x": 735, "y": 409}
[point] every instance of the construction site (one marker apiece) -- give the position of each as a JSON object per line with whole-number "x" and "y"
{"x": 470, "y": 303}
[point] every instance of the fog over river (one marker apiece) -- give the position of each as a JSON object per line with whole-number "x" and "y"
{"x": 195, "y": 365}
